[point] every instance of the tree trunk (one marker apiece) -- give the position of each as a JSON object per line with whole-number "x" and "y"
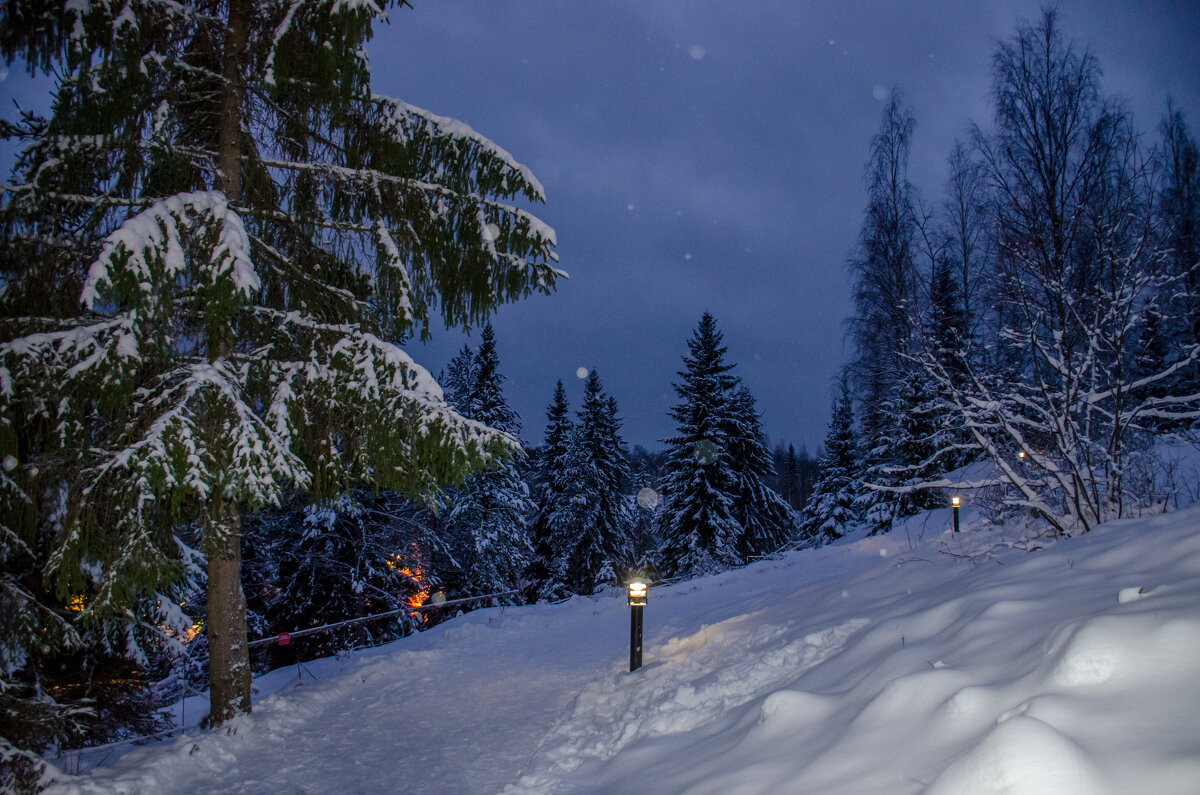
{"x": 229, "y": 656}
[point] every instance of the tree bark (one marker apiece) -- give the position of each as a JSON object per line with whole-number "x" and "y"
{"x": 229, "y": 656}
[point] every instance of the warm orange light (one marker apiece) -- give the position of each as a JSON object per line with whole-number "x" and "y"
{"x": 954, "y": 501}
{"x": 412, "y": 570}
{"x": 76, "y": 604}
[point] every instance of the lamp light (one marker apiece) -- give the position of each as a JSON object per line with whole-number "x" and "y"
{"x": 638, "y": 590}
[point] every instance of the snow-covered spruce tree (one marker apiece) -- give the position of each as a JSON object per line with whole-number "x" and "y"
{"x": 1076, "y": 272}
{"x": 550, "y": 529}
{"x": 487, "y": 518}
{"x": 643, "y": 533}
{"x": 354, "y": 555}
{"x": 895, "y": 485}
{"x": 831, "y": 509}
{"x": 598, "y": 526}
{"x": 458, "y": 382}
{"x": 699, "y": 531}
{"x": 766, "y": 519}
{"x": 209, "y": 243}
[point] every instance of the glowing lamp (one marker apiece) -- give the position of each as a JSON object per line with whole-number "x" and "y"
{"x": 954, "y": 501}
{"x": 638, "y": 591}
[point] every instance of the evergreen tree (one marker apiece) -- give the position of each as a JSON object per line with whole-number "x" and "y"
{"x": 598, "y": 535}
{"x": 646, "y": 504}
{"x": 551, "y": 534}
{"x": 1153, "y": 353}
{"x": 831, "y": 510}
{"x": 356, "y": 554}
{"x": 458, "y": 382}
{"x": 911, "y": 458}
{"x": 766, "y": 520}
{"x": 487, "y": 521}
{"x": 948, "y": 318}
{"x": 208, "y": 245}
{"x": 699, "y": 530}
{"x": 794, "y": 475}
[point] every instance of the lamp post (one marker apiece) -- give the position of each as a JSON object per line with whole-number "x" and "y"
{"x": 954, "y": 502}
{"x": 638, "y": 589}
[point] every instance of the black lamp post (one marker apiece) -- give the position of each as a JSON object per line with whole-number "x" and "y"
{"x": 954, "y": 502}
{"x": 638, "y": 589}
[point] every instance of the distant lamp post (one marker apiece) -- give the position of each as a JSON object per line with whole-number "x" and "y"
{"x": 954, "y": 501}
{"x": 638, "y": 591}
{"x": 1021, "y": 455}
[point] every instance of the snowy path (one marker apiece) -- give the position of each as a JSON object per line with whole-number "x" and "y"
{"x": 463, "y": 707}
{"x": 915, "y": 662}
{"x": 458, "y": 709}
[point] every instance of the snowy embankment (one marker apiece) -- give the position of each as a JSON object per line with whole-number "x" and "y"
{"x": 915, "y": 662}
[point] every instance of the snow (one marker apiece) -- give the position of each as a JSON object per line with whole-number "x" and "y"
{"x": 153, "y": 243}
{"x": 987, "y": 661}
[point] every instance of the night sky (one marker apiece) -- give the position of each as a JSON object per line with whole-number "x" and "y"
{"x": 710, "y": 156}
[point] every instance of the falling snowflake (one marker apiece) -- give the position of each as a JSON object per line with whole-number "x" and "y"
{"x": 647, "y": 498}
{"x": 582, "y": 372}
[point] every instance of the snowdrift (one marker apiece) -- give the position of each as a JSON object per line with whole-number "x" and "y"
{"x": 920, "y": 661}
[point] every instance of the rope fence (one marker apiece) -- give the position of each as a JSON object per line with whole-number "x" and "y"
{"x": 286, "y": 637}
{"x": 72, "y": 756}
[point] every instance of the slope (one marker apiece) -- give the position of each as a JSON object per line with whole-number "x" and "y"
{"x": 917, "y": 661}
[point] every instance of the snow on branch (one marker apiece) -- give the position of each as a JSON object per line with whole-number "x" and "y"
{"x": 404, "y": 118}
{"x": 148, "y": 248}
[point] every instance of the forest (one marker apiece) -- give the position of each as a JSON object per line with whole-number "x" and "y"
{"x": 220, "y": 243}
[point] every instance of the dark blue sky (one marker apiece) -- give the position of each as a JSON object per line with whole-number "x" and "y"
{"x": 709, "y": 156}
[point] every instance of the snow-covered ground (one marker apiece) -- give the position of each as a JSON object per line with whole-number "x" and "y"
{"x": 920, "y": 661}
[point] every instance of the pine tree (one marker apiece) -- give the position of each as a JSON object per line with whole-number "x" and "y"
{"x": 551, "y": 534}
{"x": 766, "y": 520}
{"x": 209, "y": 244}
{"x": 831, "y": 510}
{"x": 700, "y": 533}
{"x": 487, "y": 521}
{"x": 598, "y": 535}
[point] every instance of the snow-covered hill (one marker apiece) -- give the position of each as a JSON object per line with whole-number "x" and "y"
{"x": 982, "y": 662}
